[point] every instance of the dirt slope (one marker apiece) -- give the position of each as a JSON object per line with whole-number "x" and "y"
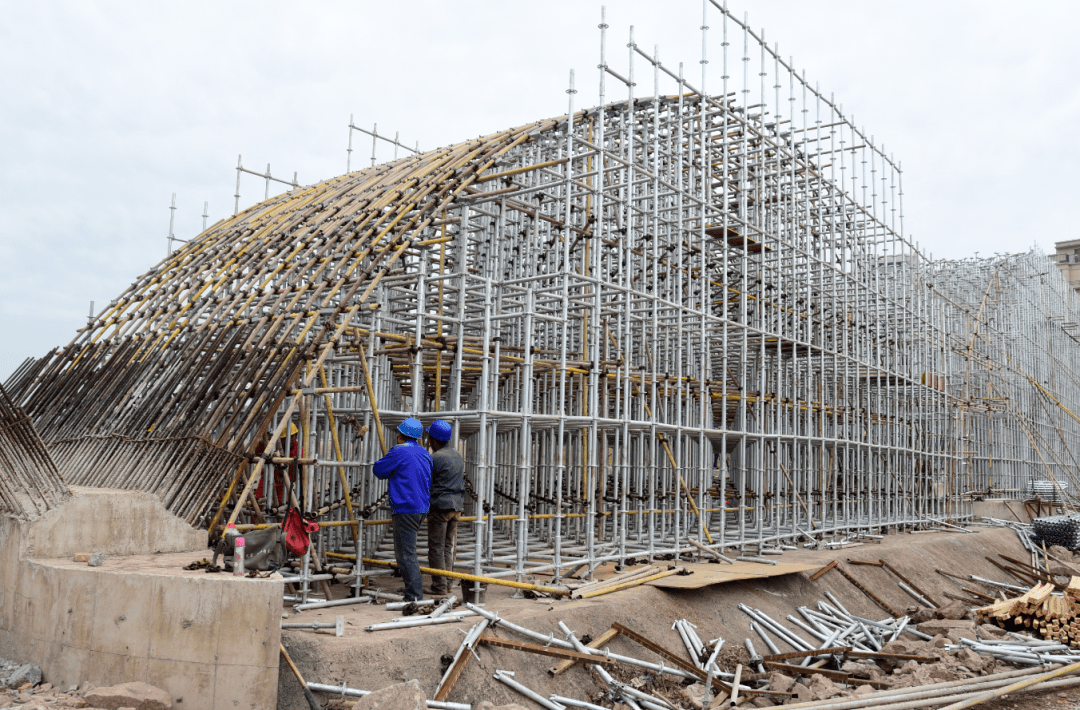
{"x": 375, "y": 660}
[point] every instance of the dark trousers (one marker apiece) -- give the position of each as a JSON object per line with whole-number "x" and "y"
{"x": 405, "y": 527}
{"x": 442, "y": 541}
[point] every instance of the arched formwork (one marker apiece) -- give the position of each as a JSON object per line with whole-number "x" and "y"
{"x": 673, "y": 316}
{"x": 30, "y": 483}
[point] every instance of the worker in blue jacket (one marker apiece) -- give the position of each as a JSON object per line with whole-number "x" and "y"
{"x": 407, "y": 467}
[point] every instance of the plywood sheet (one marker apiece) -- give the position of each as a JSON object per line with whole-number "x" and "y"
{"x": 706, "y": 574}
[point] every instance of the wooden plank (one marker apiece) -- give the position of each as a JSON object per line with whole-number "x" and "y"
{"x": 545, "y": 650}
{"x": 455, "y": 673}
{"x": 709, "y": 550}
{"x": 875, "y": 598}
{"x": 646, "y": 571}
{"x": 598, "y": 642}
{"x": 665, "y": 654}
{"x": 893, "y": 656}
{"x": 705, "y": 574}
{"x": 816, "y": 575}
{"x": 908, "y": 582}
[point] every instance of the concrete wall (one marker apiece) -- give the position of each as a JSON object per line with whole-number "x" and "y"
{"x": 1001, "y": 509}
{"x": 111, "y": 522}
{"x": 210, "y": 640}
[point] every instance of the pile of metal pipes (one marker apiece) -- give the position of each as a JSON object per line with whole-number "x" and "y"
{"x": 695, "y": 647}
{"x": 953, "y": 695}
{"x": 831, "y": 626}
{"x": 1022, "y": 650}
{"x": 345, "y": 691}
{"x": 619, "y": 692}
{"x": 442, "y": 613}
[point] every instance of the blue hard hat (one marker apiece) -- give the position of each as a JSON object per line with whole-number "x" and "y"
{"x": 440, "y": 430}
{"x": 411, "y": 428}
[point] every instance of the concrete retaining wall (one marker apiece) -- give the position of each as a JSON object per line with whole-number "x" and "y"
{"x": 210, "y": 640}
{"x": 1002, "y": 509}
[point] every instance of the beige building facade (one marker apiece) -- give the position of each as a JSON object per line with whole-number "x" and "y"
{"x": 1067, "y": 257}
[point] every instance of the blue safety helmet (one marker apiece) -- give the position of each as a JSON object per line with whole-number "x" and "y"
{"x": 412, "y": 428}
{"x": 440, "y": 430}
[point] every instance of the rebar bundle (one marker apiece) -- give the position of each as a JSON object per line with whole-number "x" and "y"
{"x": 683, "y": 315}
{"x": 30, "y": 483}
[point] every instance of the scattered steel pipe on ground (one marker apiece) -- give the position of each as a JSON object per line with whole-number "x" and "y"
{"x": 345, "y": 690}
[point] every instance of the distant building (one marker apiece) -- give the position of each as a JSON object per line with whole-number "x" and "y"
{"x": 1067, "y": 258}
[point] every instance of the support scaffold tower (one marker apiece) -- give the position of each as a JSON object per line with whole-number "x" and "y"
{"x": 688, "y": 313}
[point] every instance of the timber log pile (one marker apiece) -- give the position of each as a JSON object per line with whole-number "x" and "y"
{"x": 1040, "y": 611}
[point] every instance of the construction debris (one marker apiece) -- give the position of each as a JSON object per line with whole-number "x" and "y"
{"x": 15, "y": 675}
{"x": 137, "y": 695}
{"x": 816, "y": 656}
{"x": 22, "y": 686}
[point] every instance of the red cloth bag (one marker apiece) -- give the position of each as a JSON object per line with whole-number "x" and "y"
{"x": 297, "y": 531}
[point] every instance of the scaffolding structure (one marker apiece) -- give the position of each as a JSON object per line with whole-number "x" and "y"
{"x": 1012, "y": 336}
{"x": 689, "y": 314}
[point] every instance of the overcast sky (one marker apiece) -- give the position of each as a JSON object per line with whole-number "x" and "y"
{"x": 107, "y": 108}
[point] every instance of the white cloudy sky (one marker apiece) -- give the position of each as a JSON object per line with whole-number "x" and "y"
{"x": 107, "y": 108}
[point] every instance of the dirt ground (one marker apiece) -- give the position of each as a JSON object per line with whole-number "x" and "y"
{"x": 1047, "y": 700}
{"x": 373, "y": 660}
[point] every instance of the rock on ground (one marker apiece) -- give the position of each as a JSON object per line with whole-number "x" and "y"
{"x": 801, "y": 694}
{"x": 694, "y": 694}
{"x": 1059, "y": 551}
{"x": 404, "y": 696}
{"x": 944, "y": 626}
{"x": 953, "y": 610}
{"x": 26, "y": 673}
{"x": 140, "y": 696}
{"x": 921, "y": 614}
{"x": 971, "y": 659}
{"x": 779, "y": 682}
{"x": 822, "y": 688}
{"x": 857, "y": 668}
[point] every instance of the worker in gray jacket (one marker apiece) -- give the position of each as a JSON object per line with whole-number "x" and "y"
{"x": 447, "y": 500}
